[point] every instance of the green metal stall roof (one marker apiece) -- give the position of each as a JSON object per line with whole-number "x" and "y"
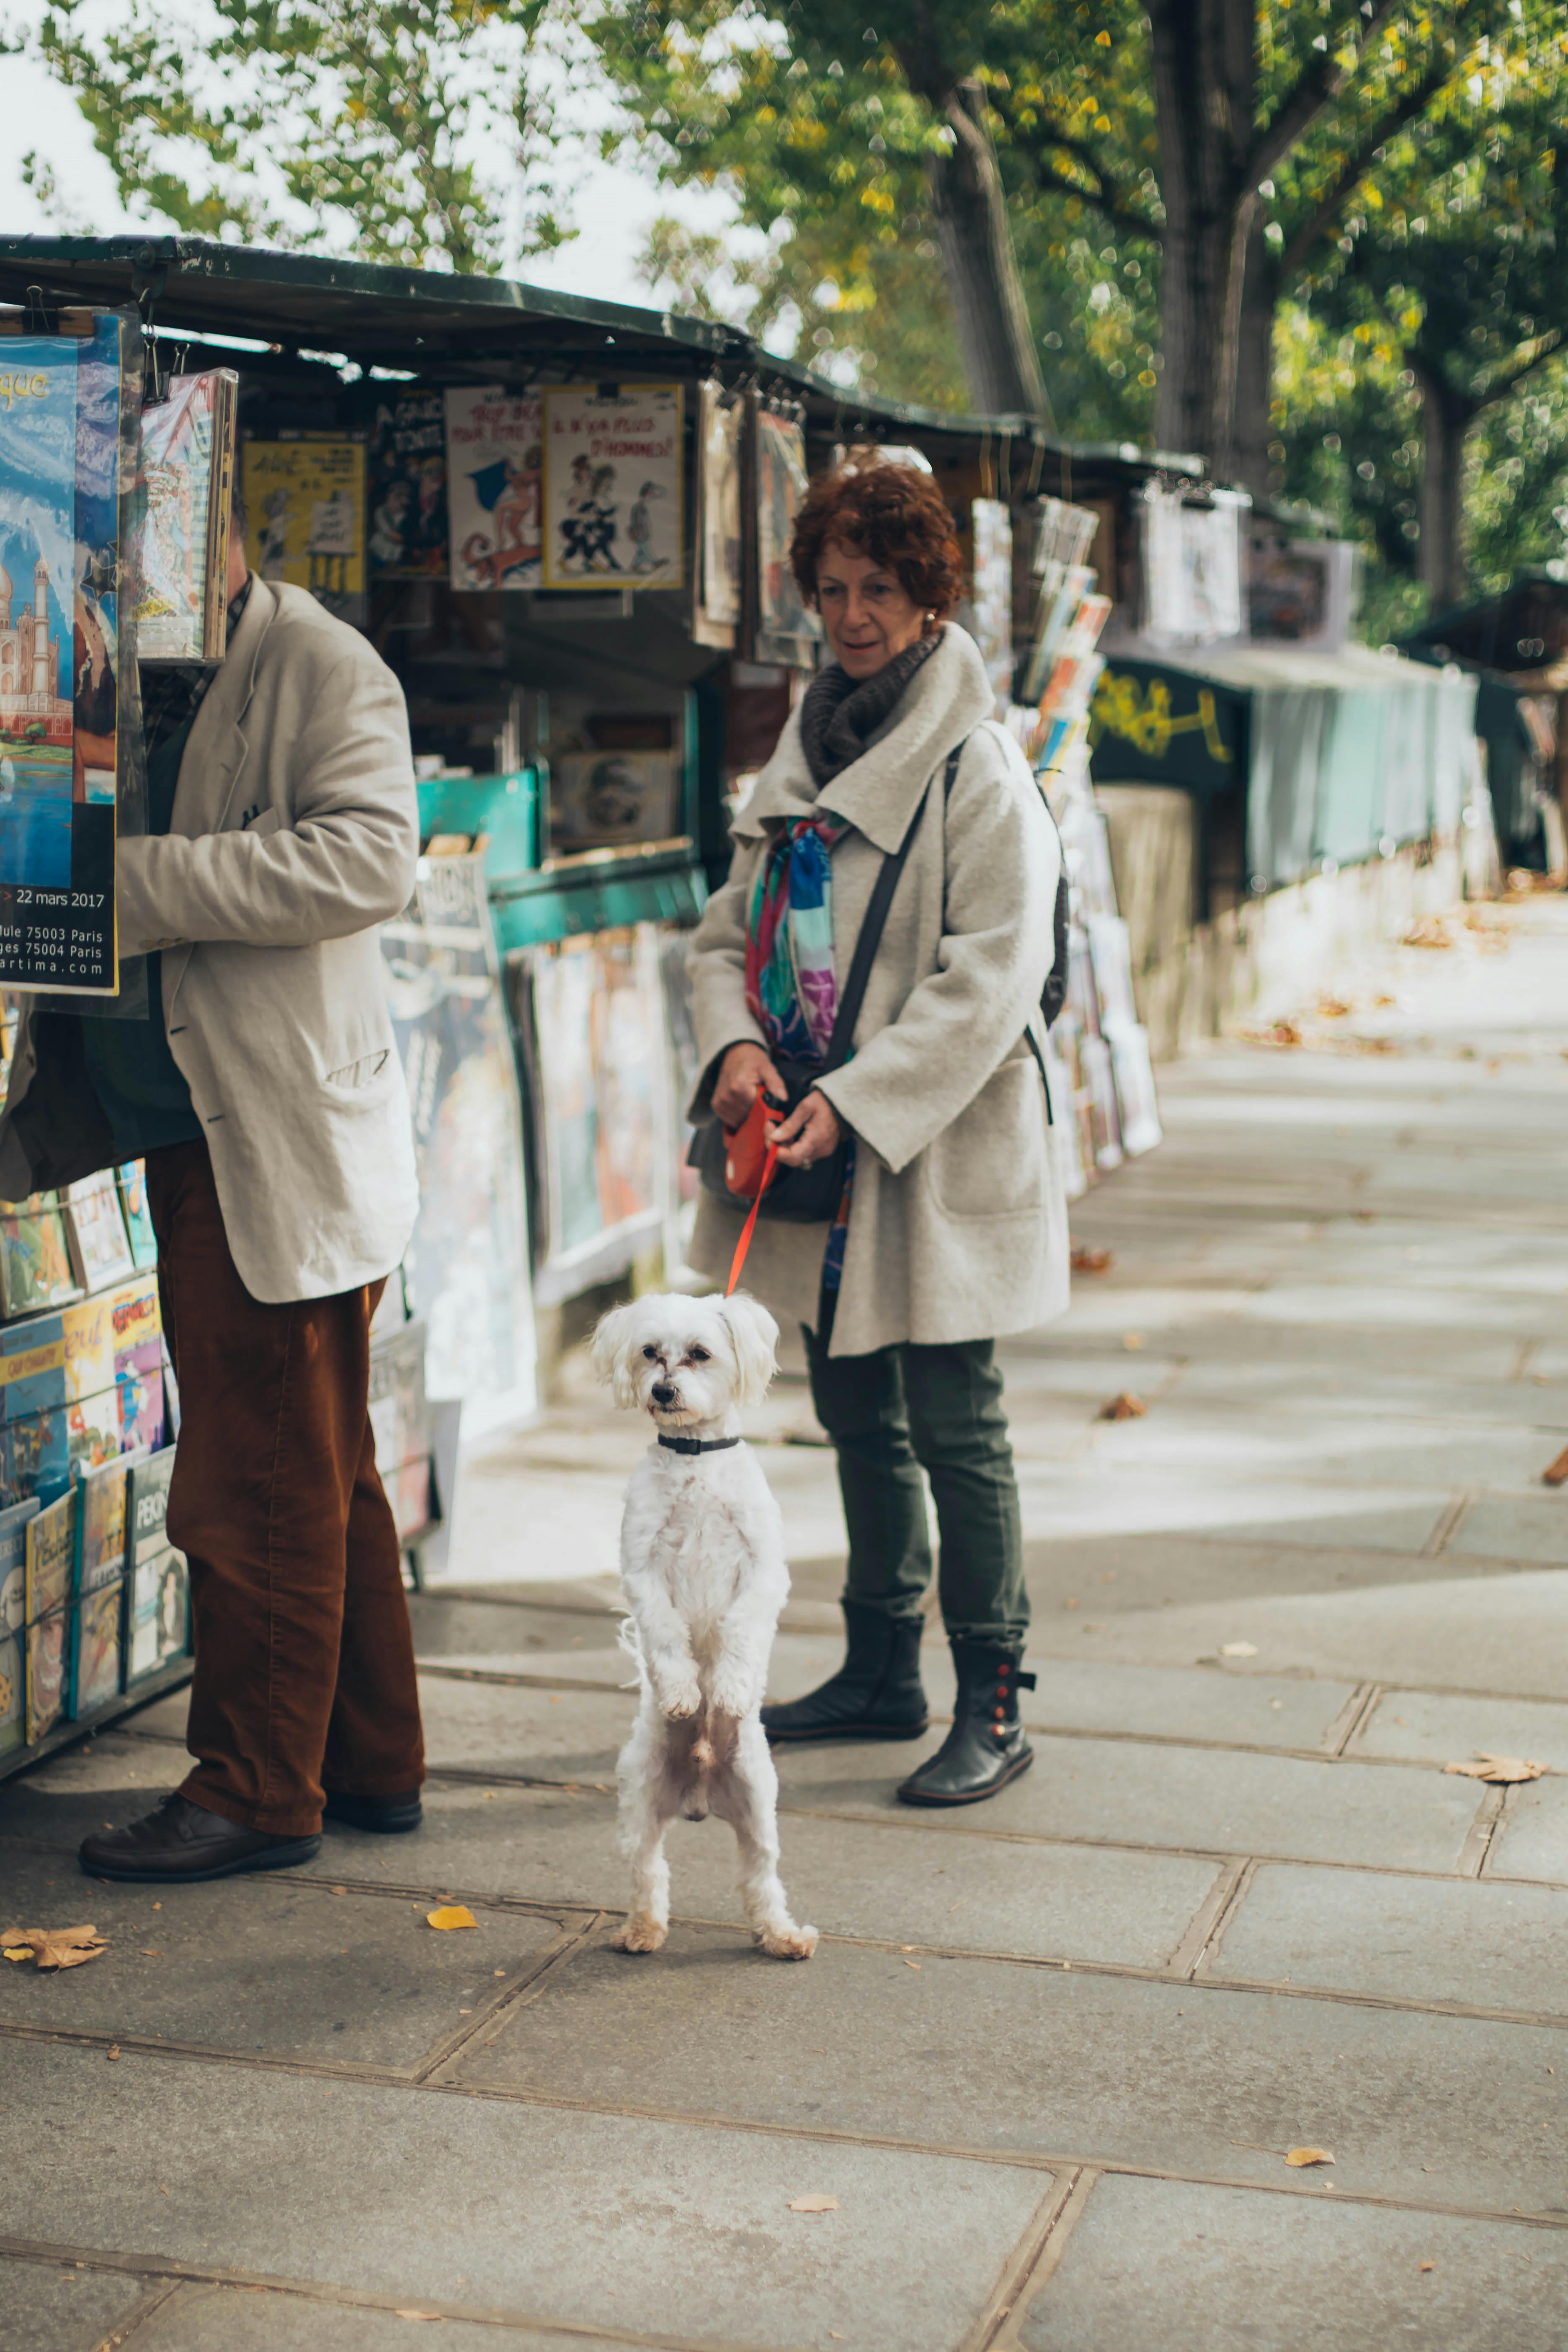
{"x": 379, "y": 315}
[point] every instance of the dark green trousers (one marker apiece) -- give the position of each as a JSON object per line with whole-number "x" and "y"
{"x": 892, "y": 1415}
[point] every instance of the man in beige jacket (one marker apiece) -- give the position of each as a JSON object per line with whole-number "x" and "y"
{"x": 264, "y": 1090}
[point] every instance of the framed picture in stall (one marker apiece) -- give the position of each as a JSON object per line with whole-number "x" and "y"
{"x": 496, "y": 487}
{"x": 406, "y": 496}
{"x": 787, "y": 631}
{"x": 614, "y": 483}
{"x": 305, "y": 519}
{"x": 601, "y": 799}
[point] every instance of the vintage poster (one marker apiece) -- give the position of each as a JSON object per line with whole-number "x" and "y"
{"x": 601, "y": 799}
{"x": 614, "y": 473}
{"x": 468, "y": 1264}
{"x": 788, "y": 630}
{"x": 721, "y": 436}
{"x": 305, "y": 518}
{"x": 992, "y": 527}
{"x": 185, "y": 485}
{"x": 67, "y": 403}
{"x": 1192, "y": 566}
{"x": 598, "y": 1023}
{"x": 407, "y": 456}
{"x": 95, "y": 1650}
{"x": 495, "y": 476}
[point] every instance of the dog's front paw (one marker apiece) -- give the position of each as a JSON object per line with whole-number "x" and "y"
{"x": 735, "y": 1699}
{"x": 643, "y": 1933}
{"x": 788, "y": 1943}
{"x": 681, "y": 1701}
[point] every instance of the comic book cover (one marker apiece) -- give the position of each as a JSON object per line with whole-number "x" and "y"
{"x": 131, "y": 1179}
{"x": 66, "y": 716}
{"x": 95, "y": 1649}
{"x": 13, "y": 1685}
{"x": 158, "y": 1613}
{"x": 495, "y": 488}
{"x": 101, "y": 1493}
{"x": 305, "y": 518}
{"x": 721, "y": 436}
{"x": 51, "y": 1557}
{"x": 98, "y": 1231}
{"x": 36, "y": 1269}
{"x": 184, "y": 487}
{"x": 614, "y": 476}
{"x": 406, "y": 496}
{"x": 399, "y": 1417}
{"x": 147, "y": 1505}
{"x": 45, "y": 1640}
{"x": 14, "y": 1565}
{"x": 32, "y": 1366}
{"x": 88, "y": 1351}
{"x": 787, "y": 630}
{"x": 139, "y": 1363}
{"x": 35, "y": 1456}
{"x": 94, "y": 1432}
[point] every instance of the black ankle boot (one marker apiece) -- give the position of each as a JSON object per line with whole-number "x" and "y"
{"x": 986, "y": 1746}
{"x": 875, "y": 1694}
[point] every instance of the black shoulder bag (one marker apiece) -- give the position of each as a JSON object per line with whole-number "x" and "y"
{"x": 810, "y": 1196}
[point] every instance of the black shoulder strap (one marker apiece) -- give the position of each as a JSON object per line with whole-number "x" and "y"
{"x": 870, "y": 937}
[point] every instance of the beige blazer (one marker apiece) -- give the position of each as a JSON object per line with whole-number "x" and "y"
{"x": 958, "y": 1228}
{"x": 295, "y": 832}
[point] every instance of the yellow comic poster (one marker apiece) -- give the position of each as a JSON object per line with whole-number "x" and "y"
{"x": 305, "y": 518}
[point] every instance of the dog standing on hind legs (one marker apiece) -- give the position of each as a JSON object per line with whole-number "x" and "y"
{"x": 702, "y": 1568}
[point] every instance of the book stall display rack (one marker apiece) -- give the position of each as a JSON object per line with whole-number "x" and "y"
{"x": 1097, "y": 1053}
{"x": 94, "y": 1601}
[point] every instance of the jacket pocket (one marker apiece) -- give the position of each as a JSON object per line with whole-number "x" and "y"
{"x": 991, "y": 1163}
{"x": 269, "y": 821}
{"x": 363, "y": 1073}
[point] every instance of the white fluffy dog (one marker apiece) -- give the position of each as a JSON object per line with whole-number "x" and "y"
{"x": 702, "y": 1568}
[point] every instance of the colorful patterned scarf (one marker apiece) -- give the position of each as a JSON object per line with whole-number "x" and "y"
{"x": 792, "y": 988}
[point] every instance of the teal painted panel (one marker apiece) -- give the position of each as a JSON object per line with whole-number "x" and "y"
{"x": 1349, "y": 785}
{"x": 504, "y": 807}
{"x": 535, "y": 917}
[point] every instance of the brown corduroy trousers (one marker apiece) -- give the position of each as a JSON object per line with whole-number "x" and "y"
{"x": 304, "y": 1673}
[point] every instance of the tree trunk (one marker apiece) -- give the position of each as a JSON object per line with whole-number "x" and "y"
{"x": 987, "y": 294}
{"x": 1252, "y": 430}
{"x": 1204, "y": 84}
{"x": 1445, "y": 416}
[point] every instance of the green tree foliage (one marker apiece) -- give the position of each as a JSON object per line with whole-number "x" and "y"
{"x": 303, "y": 122}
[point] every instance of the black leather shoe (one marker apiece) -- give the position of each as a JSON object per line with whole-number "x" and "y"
{"x": 875, "y": 1694}
{"x": 986, "y": 1746}
{"x": 391, "y": 1815}
{"x": 183, "y": 1842}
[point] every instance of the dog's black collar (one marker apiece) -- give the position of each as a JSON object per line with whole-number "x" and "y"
{"x": 697, "y": 1445}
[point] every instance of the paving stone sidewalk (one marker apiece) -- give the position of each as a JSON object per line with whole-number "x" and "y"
{"x": 1052, "y": 2053}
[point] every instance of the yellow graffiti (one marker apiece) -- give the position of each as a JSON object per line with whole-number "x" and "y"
{"x": 1146, "y": 723}
{"x": 23, "y": 387}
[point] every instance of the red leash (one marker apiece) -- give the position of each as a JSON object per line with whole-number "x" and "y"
{"x": 751, "y": 1226}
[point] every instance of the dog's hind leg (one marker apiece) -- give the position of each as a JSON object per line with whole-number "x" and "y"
{"x": 746, "y": 1796}
{"x": 650, "y": 1801}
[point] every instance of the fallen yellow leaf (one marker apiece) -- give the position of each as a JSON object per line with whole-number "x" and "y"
{"x": 114, "y": 2050}
{"x": 1133, "y": 1340}
{"x": 814, "y": 2203}
{"x": 913, "y": 1964}
{"x": 1239, "y": 1649}
{"x": 417, "y": 2315}
{"x": 53, "y": 1947}
{"x": 1122, "y": 1407}
{"x": 1299, "y": 2156}
{"x": 1500, "y": 1770}
{"x": 450, "y": 1915}
{"x": 1425, "y": 2266}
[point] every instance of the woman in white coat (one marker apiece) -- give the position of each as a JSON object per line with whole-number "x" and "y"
{"x": 950, "y": 1228}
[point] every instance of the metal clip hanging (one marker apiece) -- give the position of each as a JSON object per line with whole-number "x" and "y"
{"x": 37, "y": 314}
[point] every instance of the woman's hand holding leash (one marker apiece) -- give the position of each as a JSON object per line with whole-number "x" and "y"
{"x": 742, "y": 1071}
{"x": 810, "y": 1133}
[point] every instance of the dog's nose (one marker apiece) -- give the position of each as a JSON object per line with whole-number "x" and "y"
{"x": 662, "y": 1393}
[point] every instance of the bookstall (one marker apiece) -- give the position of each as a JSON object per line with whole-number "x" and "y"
{"x": 565, "y": 526}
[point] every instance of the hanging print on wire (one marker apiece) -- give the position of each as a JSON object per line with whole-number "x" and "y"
{"x": 613, "y": 459}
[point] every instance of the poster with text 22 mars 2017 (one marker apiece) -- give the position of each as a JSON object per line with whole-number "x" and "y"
{"x": 60, "y": 657}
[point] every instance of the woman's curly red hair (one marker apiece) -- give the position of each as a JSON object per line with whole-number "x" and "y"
{"x": 894, "y": 514}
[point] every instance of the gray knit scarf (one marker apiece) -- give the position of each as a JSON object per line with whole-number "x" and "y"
{"x": 840, "y": 714}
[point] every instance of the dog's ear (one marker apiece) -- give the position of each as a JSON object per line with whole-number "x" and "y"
{"x": 755, "y": 1335}
{"x": 611, "y": 1353}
